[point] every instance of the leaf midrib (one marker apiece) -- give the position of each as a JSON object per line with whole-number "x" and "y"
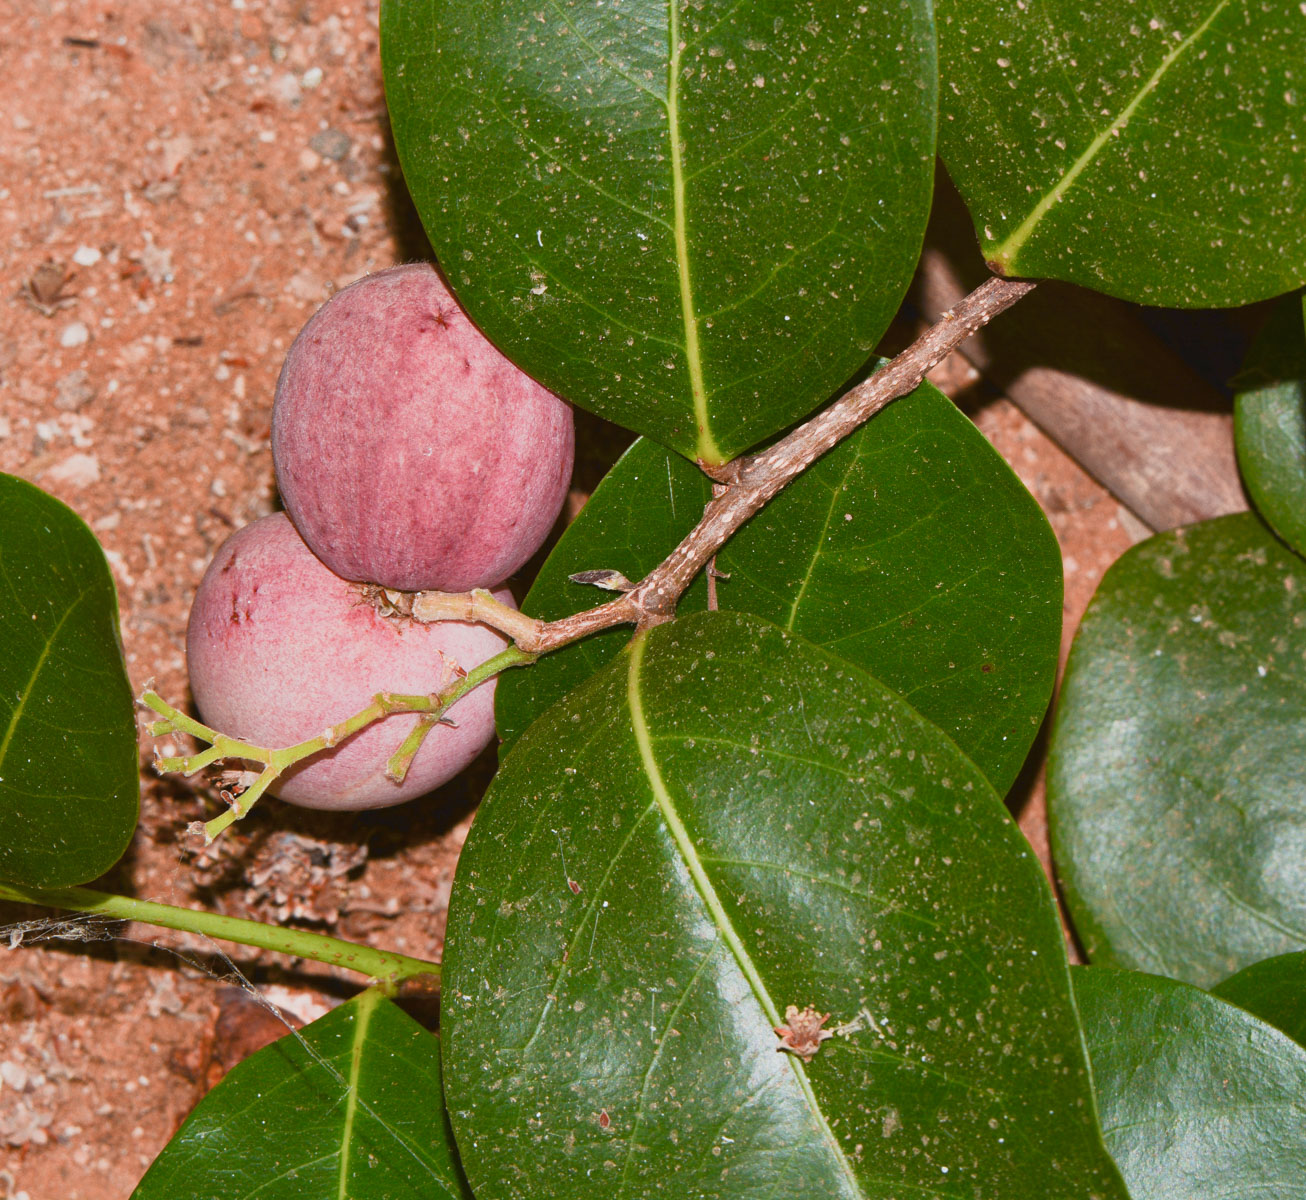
{"x": 707, "y": 892}
{"x": 1007, "y": 251}
{"x": 26, "y": 693}
{"x": 705, "y": 447}
{"x": 366, "y": 1006}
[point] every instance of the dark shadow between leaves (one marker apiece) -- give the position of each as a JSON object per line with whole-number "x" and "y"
{"x": 1093, "y": 336}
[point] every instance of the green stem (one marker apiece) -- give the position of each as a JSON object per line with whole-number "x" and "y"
{"x": 402, "y": 758}
{"x": 276, "y": 761}
{"x": 385, "y": 966}
{"x": 504, "y": 660}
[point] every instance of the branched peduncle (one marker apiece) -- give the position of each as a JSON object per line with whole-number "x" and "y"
{"x": 387, "y": 968}
{"x": 744, "y": 486}
{"x": 275, "y": 761}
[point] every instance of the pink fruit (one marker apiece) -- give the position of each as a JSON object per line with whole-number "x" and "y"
{"x": 409, "y": 452}
{"x": 279, "y": 649}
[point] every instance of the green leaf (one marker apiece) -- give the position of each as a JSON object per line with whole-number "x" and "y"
{"x": 68, "y": 774}
{"x": 1153, "y": 153}
{"x": 349, "y": 1107}
{"x": 725, "y": 822}
{"x": 1198, "y": 1099}
{"x": 696, "y": 219}
{"x": 1270, "y": 422}
{"x": 911, "y": 550}
{"x": 1273, "y": 989}
{"x": 1176, "y": 793}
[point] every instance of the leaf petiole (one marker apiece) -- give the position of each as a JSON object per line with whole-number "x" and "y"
{"x": 386, "y": 967}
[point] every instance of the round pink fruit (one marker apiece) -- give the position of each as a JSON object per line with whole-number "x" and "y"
{"x": 279, "y": 649}
{"x": 409, "y": 452}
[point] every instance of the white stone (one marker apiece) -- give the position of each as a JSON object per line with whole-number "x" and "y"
{"x": 74, "y": 335}
{"x": 307, "y": 287}
{"x": 77, "y": 470}
{"x": 286, "y": 88}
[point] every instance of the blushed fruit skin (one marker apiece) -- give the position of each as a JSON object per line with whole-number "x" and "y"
{"x": 279, "y": 648}
{"x": 409, "y": 451}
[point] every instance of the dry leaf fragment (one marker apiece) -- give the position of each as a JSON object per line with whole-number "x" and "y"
{"x": 44, "y": 289}
{"x": 611, "y": 581}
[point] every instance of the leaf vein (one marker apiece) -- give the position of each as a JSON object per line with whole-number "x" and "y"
{"x": 720, "y": 918}
{"x": 1008, "y": 251}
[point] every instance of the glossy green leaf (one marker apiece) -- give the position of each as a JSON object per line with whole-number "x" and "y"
{"x": 68, "y": 773}
{"x": 348, "y": 1108}
{"x": 1176, "y": 791}
{"x": 1199, "y": 1100}
{"x": 724, "y": 825}
{"x": 1154, "y": 153}
{"x": 1273, "y": 989}
{"x": 695, "y": 219}
{"x": 911, "y": 550}
{"x": 1270, "y": 422}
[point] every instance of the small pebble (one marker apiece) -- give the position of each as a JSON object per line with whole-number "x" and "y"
{"x": 86, "y": 256}
{"x": 74, "y": 335}
{"x": 311, "y": 78}
{"x": 73, "y": 391}
{"x": 156, "y": 260}
{"x": 286, "y": 88}
{"x": 331, "y": 143}
{"x": 175, "y": 152}
{"x": 307, "y": 287}
{"x": 77, "y": 470}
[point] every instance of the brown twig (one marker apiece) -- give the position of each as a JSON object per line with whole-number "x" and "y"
{"x": 747, "y": 484}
